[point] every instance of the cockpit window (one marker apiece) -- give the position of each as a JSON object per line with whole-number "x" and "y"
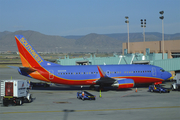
{"x": 162, "y": 70}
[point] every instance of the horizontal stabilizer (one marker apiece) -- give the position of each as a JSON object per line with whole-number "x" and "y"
{"x": 27, "y": 69}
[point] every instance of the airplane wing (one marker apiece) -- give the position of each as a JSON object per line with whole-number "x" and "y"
{"x": 115, "y": 82}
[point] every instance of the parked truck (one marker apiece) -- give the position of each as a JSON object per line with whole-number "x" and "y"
{"x": 176, "y": 85}
{"x": 15, "y": 92}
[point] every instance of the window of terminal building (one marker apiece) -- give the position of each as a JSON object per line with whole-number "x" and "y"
{"x": 175, "y": 55}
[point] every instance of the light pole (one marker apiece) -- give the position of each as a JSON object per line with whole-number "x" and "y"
{"x": 127, "y": 21}
{"x": 143, "y": 25}
{"x": 162, "y": 17}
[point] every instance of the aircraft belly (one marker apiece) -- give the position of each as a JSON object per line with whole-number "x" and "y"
{"x": 145, "y": 79}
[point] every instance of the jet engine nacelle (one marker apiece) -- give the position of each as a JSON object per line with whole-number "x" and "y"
{"x": 124, "y": 83}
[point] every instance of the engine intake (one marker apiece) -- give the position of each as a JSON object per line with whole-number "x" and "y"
{"x": 124, "y": 83}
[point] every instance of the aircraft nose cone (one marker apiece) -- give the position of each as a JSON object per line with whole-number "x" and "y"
{"x": 169, "y": 75}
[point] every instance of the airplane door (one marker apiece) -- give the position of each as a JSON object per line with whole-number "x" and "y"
{"x": 108, "y": 73}
{"x": 153, "y": 71}
{"x": 51, "y": 74}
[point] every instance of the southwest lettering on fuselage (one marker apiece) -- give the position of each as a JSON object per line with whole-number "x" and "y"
{"x": 29, "y": 48}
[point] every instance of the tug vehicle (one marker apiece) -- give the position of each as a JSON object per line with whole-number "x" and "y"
{"x": 158, "y": 88}
{"x": 84, "y": 95}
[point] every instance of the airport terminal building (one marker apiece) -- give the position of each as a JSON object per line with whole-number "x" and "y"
{"x": 171, "y": 47}
{"x": 149, "y": 52}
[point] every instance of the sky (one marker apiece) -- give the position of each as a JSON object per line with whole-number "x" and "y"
{"x": 82, "y": 17}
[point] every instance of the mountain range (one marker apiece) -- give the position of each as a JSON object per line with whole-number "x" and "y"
{"x": 85, "y": 43}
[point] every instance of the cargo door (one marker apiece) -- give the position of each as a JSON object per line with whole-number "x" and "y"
{"x": 8, "y": 88}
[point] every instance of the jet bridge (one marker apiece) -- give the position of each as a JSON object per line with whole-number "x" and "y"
{"x": 168, "y": 64}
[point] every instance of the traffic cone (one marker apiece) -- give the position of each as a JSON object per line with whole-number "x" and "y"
{"x": 100, "y": 93}
{"x": 136, "y": 90}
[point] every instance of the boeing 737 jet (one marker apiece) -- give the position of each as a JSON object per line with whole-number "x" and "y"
{"x": 119, "y": 76}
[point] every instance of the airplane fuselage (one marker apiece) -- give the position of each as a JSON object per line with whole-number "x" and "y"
{"x": 85, "y": 75}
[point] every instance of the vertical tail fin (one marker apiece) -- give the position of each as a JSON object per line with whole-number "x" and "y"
{"x": 29, "y": 56}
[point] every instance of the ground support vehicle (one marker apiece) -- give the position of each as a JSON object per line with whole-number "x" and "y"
{"x": 15, "y": 92}
{"x": 158, "y": 88}
{"x": 84, "y": 95}
{"x": 176, "y": 85}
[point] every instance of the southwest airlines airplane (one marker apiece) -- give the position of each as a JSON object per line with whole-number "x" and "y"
{"x": 119, "y": 76}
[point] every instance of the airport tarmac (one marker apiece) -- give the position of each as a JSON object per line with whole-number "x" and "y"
{"x": 60, "y": 103}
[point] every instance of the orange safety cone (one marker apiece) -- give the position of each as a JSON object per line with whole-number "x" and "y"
{"x": 136, "y": 90}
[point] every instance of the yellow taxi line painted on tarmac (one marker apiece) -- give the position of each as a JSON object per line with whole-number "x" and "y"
{"x": 90, "y": 110}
